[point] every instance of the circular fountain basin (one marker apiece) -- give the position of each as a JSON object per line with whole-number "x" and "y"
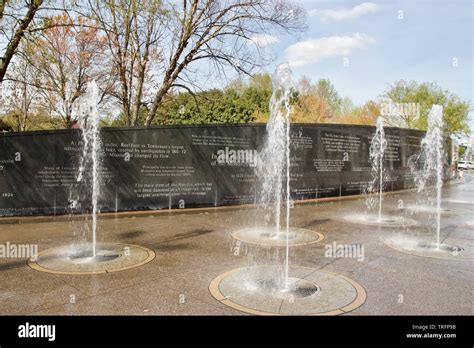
{"x": 385, "y": 220}
{"x": 109, "y": 257}
{"x": 267, "y": 236}
{"x": 262, "y": 290}
{"x": 445, "y": 250}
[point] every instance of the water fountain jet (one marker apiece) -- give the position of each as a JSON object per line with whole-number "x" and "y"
{"x": 273, "y": 176}
{"x": 88, "y": 118}
{"x": 427, "y": 168}
{"x": 93, "y": 257}
{"x": 428, "y": 165}
{"x": 378, "y": 147}
{"x": 266, "y": 289}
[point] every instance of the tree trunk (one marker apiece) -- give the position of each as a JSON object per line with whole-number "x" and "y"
{"x": 157, "y": 101}
{"x": 18, "y": 36}
{"x": 138, "y": 98}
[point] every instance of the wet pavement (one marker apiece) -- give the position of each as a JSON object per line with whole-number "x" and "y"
{"x": 193, "y": 247}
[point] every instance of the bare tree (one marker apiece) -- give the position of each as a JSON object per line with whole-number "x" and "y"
{"x": 66, "y": 58}
{"x": 21, "y": 96}
{"x": 158, "y": 46}
{"x": 134, "y": 30}
{"x": 3, "y": 3}
{"x": 219, "y": 32}
{"x": 15, "y": 19}
{"x": 19, "y": 20}
{"x": 154, "y": 46}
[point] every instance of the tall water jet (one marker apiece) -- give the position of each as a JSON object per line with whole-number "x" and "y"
{"x": 377, "y": 156}
{"x": 271, "y": 223}
{"x": 375, "y": 187}
{"x": 272, "y": 189}
{"x": 90, "y": 258}
{"x": 427, "y": 169}
{"x": 273, "y": 159}
{"x": 272, "y": 184}
{"x": 273, "y": 165}
{"x": 279, "y": 288}
{"x": 88, "y": 173}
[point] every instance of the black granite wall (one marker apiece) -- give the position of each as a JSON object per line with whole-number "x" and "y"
{"x": 188, "y": 166}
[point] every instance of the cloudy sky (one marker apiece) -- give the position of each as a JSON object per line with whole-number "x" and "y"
{"x": 362, "y": 47}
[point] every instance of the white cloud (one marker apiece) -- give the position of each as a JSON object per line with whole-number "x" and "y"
{"x": 264, "y": 39}
{"x": 345, "y": 13}
{"x": 313, "y": 50}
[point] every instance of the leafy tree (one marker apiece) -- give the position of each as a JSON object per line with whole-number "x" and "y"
{"x": 317, "y": 102}
{"x": 5, "y": 126}
{"x": 346, "y": 107}
{"x": 310, "y": 108}
{"x": 37, "y": 120}
{"x": 257, "y": 93}
{"x": 365, "y": 114}
{"x": 325, "y": 89}
{"x": 213, "y": 106}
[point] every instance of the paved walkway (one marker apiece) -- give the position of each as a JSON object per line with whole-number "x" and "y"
{"x": 193, "y": 248}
